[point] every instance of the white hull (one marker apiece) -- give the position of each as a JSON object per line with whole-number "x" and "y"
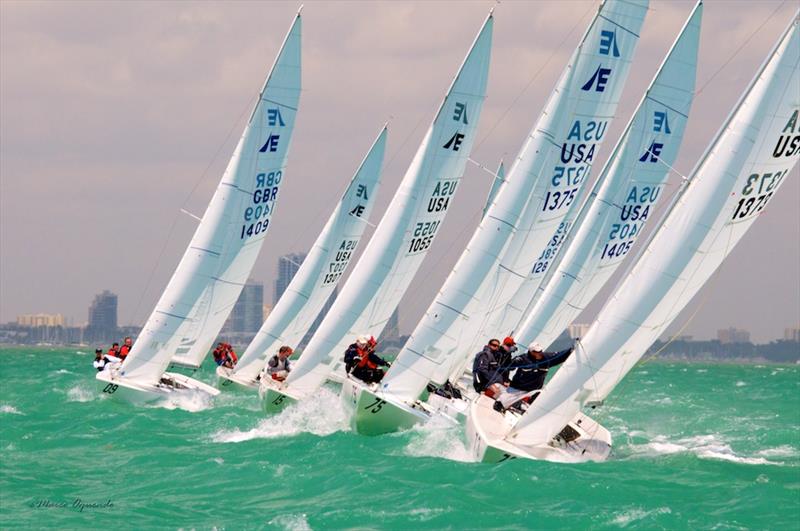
{"x": 230, "y": 381}
{"x": 487, "y": 428}
{"x": 135, "y": 392}
{"x": 374, "y": 413}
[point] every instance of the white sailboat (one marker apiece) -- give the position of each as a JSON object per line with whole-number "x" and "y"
{"x": 512, "y": 232}
{"x": 732, "y": 184}
{"x": 317, "y": 277}
{"x": 223, "y": 250}
{"x": 404, "y": 235}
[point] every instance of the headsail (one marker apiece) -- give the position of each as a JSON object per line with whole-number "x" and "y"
{"x": 581, "y": 103}
{"x": 407, "y": 230}
{"x": 626, "y": 193}
{"x": 750, "y": 158}
{"x": 215, "y": 267}
{"x": 322, "y": 269}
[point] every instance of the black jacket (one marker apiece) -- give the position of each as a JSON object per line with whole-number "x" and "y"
{"x": 531, "y": 372}
{"x": 486, "y": 370}
{"x": 352, "y": 357}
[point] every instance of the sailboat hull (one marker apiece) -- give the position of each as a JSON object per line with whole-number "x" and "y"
{"x": 487, "y": 429}
{"x": 135, "y": 392}
{"x": 230, "y": 381}
{"x": 273, "y": 399}
{"x": 375, "y": 413}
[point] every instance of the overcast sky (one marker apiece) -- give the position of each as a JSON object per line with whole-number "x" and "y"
{"x": 114, "y": 116}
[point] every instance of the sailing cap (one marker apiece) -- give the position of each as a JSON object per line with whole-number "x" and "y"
{"x": 536, "y": 347}
{"x": 362, "y": 340}
{"x": 509, "y": 341}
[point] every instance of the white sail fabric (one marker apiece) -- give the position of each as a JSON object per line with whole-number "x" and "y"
{"x": 624, "y": 197}
{"x": 407, "y": 230}
{"x": 749, "y": 160}
{"x": 218, "y": 261}
{"x": 497, "y": 182}
{"x": 322, "y": 269}
{"x": 575, "y": 118}
{"x": 549, "y": 216}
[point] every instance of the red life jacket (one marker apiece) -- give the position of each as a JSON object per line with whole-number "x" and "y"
{"x": 124, "y": 350}
{"x": 365, "y": 361}
{"x": 233, "y": 355}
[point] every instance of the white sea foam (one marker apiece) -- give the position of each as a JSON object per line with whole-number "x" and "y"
{"x": 300, "y": 417}
{"x": 740, "y": 384}
{"x": 186, "y": 400}
{"x": 781, "y": 451}
{"x": 291, "y": 522}
{"x": 439, "y": 438}
{"x": 634, "y": 515}
{"x": 10, "y": 409}
{"x": 77, "y": 393}
{"x": 64, "y": 371}
{"x": 702, "y": 370}
{"x": 423, "y": 514}
{"x": 703, "y": 446}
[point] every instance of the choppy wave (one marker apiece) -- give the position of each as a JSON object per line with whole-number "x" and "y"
{"x": 703, "y": 446}
{"x": 300, "y": 417}
{"x": 634, "y": 515}
{"x": 439, "y": 438}
{"x": 78, "y": 393}
{"x": 291, "y": 522}
{"x": 187, "y": 401}
{"x": 5, "y": 408}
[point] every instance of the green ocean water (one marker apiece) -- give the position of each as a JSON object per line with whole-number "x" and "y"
{"x": 697, "y": 446}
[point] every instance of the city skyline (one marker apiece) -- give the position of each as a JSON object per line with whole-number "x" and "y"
{"x": 152, "y": 102}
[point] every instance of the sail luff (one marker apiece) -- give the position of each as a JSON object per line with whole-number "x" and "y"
{"x": 629, "y": 186}
{"x": 322, "y": 269}
{"x": 407, "y": 230}
{"x": 744, "y": 169}
{"x": 218, "y": 259}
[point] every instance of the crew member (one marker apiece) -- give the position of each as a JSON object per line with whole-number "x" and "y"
{"x": 504, "y": 356}
{"x": 230, "y": 356}
{"x": 219, "y": 354}
{"x": 103, "y": 361}
{"x": 487, "y": 374}
{"x": 126, "y": 348}
{"x": 361, "y": 361}
{"x": 531, "y": 372}
{"x": 278, "y": 366}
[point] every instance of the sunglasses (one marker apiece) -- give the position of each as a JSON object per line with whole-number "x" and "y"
{"x": 494, "y": 345}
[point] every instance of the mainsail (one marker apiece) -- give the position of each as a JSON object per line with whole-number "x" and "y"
{"x": 542, "y": 184}
{"x": 322, "y": 269}
{"x": 625, "y": 196}
{"x": 223, "y": 250}
{"x": 407, "y": 230}
{"x": 742, "y": 171}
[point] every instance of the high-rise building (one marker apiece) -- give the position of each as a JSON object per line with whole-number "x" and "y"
{"x": 40, "y": 319}
{"x": 791, "y": 334}
{"x": 392, "y": 330}
{"x": 103, "y": 317}
{"x": 288, "y": 265}
{"x": 577, "y": 330}
{"x": 248, "y": 312}
{"x": 733, "y": 335}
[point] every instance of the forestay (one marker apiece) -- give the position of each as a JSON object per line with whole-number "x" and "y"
{"x": 573, "y": 121}
{"x": 407, "y": 230}
{"x": 212, "y": 272}
{"x": 625, "y": 195}
{"x": 743, "y": 170}
{"x": 497, "y": 182}
{"x": 322, "y": 269}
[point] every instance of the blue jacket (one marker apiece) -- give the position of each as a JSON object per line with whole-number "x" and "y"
{"x": 531, "y": 372}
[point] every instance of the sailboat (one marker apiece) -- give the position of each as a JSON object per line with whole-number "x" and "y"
{"x": 403, "y": 236}
{"x": 317, "y": 277}
{"x": 223, "y": 250}
{"x": 732, "y": 184}
{"x": 518, "y": 223}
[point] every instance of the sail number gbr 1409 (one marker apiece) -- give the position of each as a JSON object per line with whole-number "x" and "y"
{"x": 256, "y": 215}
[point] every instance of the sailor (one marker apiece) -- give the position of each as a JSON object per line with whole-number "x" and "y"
{"x": 126, "y": 348}
{"x": 531, "y": 372}
{"x": 278, "y": 365}
{"x": 219, "y": 354}
{"x": 487, "y": 374}
{"x": 504, "y": 356}
{"x": 230, "y": 358}
{"x": 114, "y": 350}
{"x": 103, "y": 361}
{"x": 361, "y": 361}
